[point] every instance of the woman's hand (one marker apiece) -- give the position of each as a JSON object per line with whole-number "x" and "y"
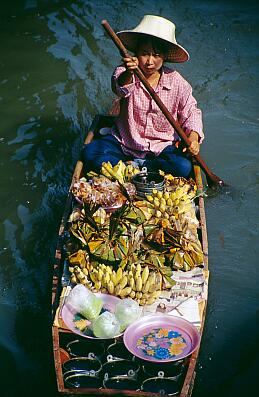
{"x": 194, "y": 147}
{"x": 130, "y": 63}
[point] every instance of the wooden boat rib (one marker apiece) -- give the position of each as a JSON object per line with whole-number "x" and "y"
{"x": 58, "y": 289}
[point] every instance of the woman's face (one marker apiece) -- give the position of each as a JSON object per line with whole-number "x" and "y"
{"x": 150, "y": 61}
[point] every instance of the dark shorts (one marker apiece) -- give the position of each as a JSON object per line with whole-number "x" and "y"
{"x": 171, "y": 160}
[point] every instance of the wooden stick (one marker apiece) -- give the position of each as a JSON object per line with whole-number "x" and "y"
{"x": 212, "y": 179}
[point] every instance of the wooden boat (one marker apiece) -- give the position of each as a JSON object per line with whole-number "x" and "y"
{"x": 59, "y": 290}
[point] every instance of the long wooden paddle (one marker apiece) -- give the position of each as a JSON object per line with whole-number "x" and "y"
{"x": 212, "y": 179}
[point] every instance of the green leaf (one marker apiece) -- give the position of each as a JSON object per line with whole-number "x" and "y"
{"x": 111, "y": 256}
{"x": 149, "y": 229}
{"x": 94, "y": 245}
{"x": 189, "y": 260}
{"x": 170, "y": 280}
{"x": 88, "y": 216}
{"x": 178, "y": 261}
{"x": 117, "y": 253}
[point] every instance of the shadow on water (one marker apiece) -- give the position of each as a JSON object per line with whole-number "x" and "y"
{"x": 26, "y": 6}
{"x": 224, "y": 191}
{"x": 29, "y": 236}
{"x": 231, "y": 370}
{"x": 24, "y": 352}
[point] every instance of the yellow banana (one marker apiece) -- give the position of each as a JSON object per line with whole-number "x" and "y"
{"x": 166, "y": 216}
{"x": 150, "y": 301}
{"x": 145, "y": 288}
{"x": 108, "y": 269}
{"x": 155, "y": 294}
{"x": 152, "y": 288}
{"x": 98, "y": 285}
{"x": 90, "y": 267}
{"x": 138, "y": 268}
{"x": 123, "y": 282}
{"x": 139, "y": 284}
{"x": 156, "y": 202}
{"x": 119, "y": 274}
{"x": 118, "y": 171}
{"x": 110, "y": 287}
{"x": 158, "y": 214}
{"x": 133, "y": 268}
{"x": 100, "y": 274}
{"x": 125, "y": 292}
{"x": 166, "y": 195}
{"x": 162, "y": 208}
{"x": 85, "y": 271}
{"x": 152, "y": 277}
{"x": 105, "y": 280}
{"x": 169, "y": 202}
{"x": 149, "y": 198}
{"x": 131, "y": 283}
{"x": 94, "y": 276}
{"x": 83, "y": 281}
{"x": 145, "y": 274}
{"x": 117, "y": 289}
{"x": 113, "y": 278}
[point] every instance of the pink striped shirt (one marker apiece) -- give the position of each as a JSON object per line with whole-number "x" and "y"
{"x": 141, "y": 127}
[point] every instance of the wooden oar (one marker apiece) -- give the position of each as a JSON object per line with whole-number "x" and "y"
{"x": 212, "y": 179}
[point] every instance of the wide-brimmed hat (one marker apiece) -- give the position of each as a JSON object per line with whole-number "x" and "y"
{"x": 159, "y": 27}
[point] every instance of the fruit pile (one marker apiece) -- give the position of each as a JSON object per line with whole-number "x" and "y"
{"x": 137, "y": 282}
{"x": 99, "y": 190}
{"x": 132, "y": 251}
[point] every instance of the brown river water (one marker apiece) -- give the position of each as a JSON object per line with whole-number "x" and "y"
{"x": 55, "y": 67}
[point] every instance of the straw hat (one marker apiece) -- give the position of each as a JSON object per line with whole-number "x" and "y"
{"x": 159, "y": 27}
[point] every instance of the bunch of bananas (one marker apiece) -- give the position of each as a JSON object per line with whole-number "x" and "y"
{"x": 80, "y": 267}
{"x": 80, "y": 276}
{"x": 138, "y": 283}
{"x": 165, "y": 207}
{"x": 120, "y": 172}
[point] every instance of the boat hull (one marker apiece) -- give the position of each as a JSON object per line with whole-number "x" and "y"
{"x": 61, "y": 334}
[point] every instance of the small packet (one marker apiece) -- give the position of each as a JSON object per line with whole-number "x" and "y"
{"x": 85, "y": 302}
{"x": 127, "y": 311}
{"x": 106, "y": 326}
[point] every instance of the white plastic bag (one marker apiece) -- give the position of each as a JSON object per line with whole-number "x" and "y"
{"x": 106, "y": 326}
{"x": 85, "y": 302}
{"x": 127, "y": 311}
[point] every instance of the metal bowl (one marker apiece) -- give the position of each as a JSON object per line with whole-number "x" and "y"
{"x": 86, "y": 364}
{"x": 145, "y": 182}
{"x": 85, "y": 348}
{"x": 82, "y": 380}
{"x": 164, "y": 386}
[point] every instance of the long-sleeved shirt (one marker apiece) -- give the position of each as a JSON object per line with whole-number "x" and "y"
{"x": 141, "y": 127}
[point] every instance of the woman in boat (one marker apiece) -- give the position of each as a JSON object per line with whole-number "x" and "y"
{"x": 141, "y": 133}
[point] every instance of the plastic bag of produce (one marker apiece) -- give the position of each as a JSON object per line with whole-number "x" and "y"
{"x": 127, "y": 311}
{"x": 106, "y": 326}
{"x": 85, "y": 302}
